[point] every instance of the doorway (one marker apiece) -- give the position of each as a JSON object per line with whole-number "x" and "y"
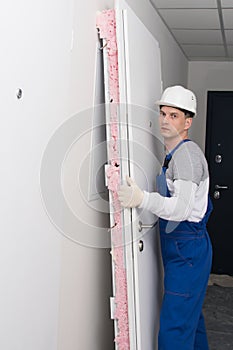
{"x": 219, "y": 151}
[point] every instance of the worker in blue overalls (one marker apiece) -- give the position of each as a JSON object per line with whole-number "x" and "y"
{"x": 182, "y": 204}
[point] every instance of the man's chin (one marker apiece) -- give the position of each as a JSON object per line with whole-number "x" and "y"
{"x": 165, "y": 134}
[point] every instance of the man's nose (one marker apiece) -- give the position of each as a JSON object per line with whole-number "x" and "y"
{"x": 165, "y": 119}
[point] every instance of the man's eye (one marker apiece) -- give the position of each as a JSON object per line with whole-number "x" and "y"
{"x": 162, "y": 113}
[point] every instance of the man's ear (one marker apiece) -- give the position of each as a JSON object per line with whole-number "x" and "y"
{"x": 188, "y": 123}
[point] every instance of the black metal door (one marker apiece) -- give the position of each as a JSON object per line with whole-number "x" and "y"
{"x": 219, "y": 153}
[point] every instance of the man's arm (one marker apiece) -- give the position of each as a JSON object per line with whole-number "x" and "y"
{"x": 175, "y": 208}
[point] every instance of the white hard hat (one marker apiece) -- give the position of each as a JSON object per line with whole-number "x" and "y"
{"x": 179, "y": 97}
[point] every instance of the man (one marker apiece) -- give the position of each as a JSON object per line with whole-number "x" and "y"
{"x": 183, "y": 207}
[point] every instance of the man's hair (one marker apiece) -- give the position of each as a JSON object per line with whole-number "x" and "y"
{"x": 187, "y": 114}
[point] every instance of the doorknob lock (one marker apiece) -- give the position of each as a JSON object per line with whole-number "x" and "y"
{"x": 217, "y": 195}
{"x": 218, "y": 158}
{"x": 140, "y": 246}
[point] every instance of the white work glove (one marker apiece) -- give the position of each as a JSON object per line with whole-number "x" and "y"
{"x": 130, "y": 196}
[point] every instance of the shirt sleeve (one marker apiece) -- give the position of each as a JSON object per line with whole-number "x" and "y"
{"x": 175, "y": 208}
{"x": 188, "y": 164}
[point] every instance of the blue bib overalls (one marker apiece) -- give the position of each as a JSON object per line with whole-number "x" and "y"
{"x": 187, "y": 257}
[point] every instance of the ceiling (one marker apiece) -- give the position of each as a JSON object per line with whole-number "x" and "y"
{"x": 202, "y": 28}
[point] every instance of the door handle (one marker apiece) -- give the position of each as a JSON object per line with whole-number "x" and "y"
{"x": 141, "y": 226}
{"x": 219, "y": 187}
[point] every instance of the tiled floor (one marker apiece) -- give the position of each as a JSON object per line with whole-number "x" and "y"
{"x": 218, "y": 311}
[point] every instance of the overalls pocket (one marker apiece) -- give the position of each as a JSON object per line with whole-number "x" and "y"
{"x": 186, "y": 250}
{"x": 180, "y": 257}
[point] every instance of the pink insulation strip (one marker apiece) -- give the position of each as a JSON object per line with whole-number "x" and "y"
{"x": 106, "y": 23}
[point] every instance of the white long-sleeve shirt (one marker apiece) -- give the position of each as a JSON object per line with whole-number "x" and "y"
{"x": 187, "y": 179}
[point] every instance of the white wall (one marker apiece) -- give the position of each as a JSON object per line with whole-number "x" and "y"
{"x": 174, "y": 63}
{"x": 54, "y": 288}
{"x": 204, "y": 76}
{"x": 35, "y": 58}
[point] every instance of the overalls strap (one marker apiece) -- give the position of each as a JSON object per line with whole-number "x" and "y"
{"x": 161, "y": 179}
{"x": 169, "y": 155}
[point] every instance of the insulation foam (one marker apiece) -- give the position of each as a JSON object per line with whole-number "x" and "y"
{"x": 106, "y": 23}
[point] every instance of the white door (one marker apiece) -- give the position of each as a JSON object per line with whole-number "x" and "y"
{"x": 140, "y": 85}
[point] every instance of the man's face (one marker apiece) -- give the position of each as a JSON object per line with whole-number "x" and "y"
{"x": 173, "y": 123}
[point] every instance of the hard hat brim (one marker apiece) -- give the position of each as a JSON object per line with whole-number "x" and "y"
{"x": 165, "y": 103}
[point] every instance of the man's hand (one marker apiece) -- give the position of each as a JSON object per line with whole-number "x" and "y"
{"x": 130, "y": 196}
